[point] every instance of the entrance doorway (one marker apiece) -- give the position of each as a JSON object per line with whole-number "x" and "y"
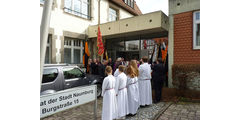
{"x": 128, "y": 55}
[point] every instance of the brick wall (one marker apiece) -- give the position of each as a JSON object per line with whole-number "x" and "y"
{"x": 183, "y": 40}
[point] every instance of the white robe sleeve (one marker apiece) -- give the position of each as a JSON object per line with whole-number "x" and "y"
{"x": 104, "y": 85}
{"x": 117, "y": 85}
{"x": 140, "y": 71}
{"x": 116, "y": 73}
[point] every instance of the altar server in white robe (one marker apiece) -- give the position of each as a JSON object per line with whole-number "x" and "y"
{"x": 144, "y": 83}
{"x": 116, "y": 73}
{"x": 121, "y": 91}
{"x": 109, "y": 108}
{"x": 132, "y": 88}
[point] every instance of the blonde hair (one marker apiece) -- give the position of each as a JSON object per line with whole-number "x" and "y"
{"x": 108, "y": 69}
{"x": 132, "y": 69}
{"x": 121, "y": 68}
{"x": 133, "y": 63}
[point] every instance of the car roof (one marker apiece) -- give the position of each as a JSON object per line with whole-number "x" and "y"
{"x": 58, "y": 65}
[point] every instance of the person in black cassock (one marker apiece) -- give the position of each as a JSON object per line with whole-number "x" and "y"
{"x": 101, "y": 68}
{"x": 94, "y": 67}
{"x": 158, "y": 77}
{"x": 110, "y": 62}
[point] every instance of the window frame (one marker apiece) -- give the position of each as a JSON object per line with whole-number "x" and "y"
{"x": 80, "y": 13}
{"x": 49, "y": 45}
{"x": 71, "y": 79}
{"x": 195, "y": 22}
{"x": 42, "y": 2}
{"x": 73, "y": 47}
{"x": 110, "y": 14}
{"x": 54, "y": 79}
{"x": 130, "y": 3}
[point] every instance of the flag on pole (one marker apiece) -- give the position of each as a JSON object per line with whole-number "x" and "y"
{"x": 86, "y": 56}
{"x": 100, "y": 43}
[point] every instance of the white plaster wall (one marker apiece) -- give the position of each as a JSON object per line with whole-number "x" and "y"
{"x": 124, "y": 14}
{"x": 61, "y": 21}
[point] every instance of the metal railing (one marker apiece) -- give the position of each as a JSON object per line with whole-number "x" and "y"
{"x": 76, "y": 13}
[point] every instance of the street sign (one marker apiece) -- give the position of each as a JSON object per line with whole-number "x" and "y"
{"x": 63, "y": 100}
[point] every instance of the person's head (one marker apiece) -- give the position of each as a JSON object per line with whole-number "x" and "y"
{"x": 110, "y": 59}
{"x": 133, "y": 64}
{"x": 108, "y": 70}
{"x": 105, "y": 62}
{"x": 119, "y": 59}
{"x": 145, "y": 59}
{"x": 90, "y": 60}
{"x": 131, "y": 72}
{"x": 121, "y": 68}
{"x": 159, "y": 60}
{"x": 122, "y": 59}
{"x": 166, "y": 42}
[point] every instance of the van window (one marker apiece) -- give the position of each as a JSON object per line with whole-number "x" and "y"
{"x": 70, "y": 73}
{"x": 49, "y": 75}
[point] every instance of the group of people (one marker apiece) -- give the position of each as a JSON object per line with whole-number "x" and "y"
{"x": 97, "y": 68}
{"x": 129, "y": 87}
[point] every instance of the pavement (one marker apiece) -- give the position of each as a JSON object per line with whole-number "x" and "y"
{"x": 159, "y": 111}
{"x": 181, "y": 111}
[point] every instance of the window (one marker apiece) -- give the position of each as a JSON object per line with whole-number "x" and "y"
{"x": 49, "y": 75}
{"x": 196, "y": 30}
{"x": 70, "y": 73}
{"x": 78, "y": 7}
{"x": 42, "y": 1}
{"x": 112, "y": 15}
{"x": 129, "y": 3}
{"x": 73, "y": 50}
{"x": 48, "y": 54}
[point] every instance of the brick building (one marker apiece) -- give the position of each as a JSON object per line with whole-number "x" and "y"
{"x": 184, "y": 35}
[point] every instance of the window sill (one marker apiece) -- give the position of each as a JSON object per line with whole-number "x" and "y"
{"x": 76, "y": 15}
{"x": 196, "y": 47}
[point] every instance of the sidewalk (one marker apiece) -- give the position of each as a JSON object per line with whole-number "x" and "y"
{"x": 159, "y": 111}
{"x": 85, "y": 112}
{"x": 182, "y": 111}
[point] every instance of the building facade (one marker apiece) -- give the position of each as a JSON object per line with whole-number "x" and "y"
{"x": 69, "y": 24}
{"x": 184, "y": 35}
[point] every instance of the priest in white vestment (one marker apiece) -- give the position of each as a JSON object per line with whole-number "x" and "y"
{"x": 121, "y": 91}
{"x": 109, "y": 108}
{"x": 144, "y": 82}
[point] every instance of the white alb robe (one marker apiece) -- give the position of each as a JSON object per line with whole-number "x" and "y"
{"x": 109, "y": 108}
{"x": 121, "y": 91}
{"x": 116, "y": 73}
{"x": 133, "y": 94}
{"x": 145, "y": 84}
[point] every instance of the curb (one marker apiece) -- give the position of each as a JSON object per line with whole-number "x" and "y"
{"x": 162, "y": 111}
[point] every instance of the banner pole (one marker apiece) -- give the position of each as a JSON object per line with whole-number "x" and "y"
{"x": 95, "y": 104}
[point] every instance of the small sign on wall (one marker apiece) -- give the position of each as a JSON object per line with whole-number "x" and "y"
{"x": 53, "y": 103}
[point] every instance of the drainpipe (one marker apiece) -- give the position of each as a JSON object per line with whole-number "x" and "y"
{"x": 46, "y": 15}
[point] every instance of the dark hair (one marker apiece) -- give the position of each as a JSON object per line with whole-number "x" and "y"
{"x": 160, "y": 60}
{"x": 145, "y": 59}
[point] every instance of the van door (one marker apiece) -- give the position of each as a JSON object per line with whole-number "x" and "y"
{"x": 72, "y": 77}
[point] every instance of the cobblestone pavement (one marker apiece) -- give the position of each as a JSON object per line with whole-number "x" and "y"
{"x": 182, "y": 111}
{"x": 85, "y": 112}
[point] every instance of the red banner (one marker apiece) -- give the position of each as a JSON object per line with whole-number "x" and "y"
{"x": 100, "y": 43}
